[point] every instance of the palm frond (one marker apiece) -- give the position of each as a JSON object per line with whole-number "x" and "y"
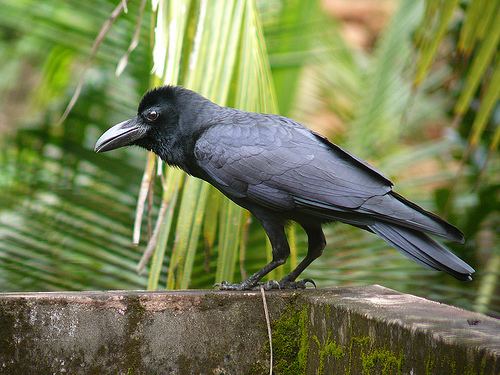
{"x": 222, "y": 54}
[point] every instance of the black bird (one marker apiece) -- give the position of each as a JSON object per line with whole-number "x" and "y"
{"x": 281, "y": 171}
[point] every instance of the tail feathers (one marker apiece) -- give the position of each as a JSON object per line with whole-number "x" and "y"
{"x": 424, "y": 250}
{"x": 452, "y": 232}
{"x": 393, "y": 208}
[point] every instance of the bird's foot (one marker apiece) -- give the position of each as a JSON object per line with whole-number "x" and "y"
{"x": 224, "y": 285}
{"x": 286, "y": 284}
{"x": 268, "y": 285}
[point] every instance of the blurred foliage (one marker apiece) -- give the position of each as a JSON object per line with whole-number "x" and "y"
{"x": 67, "y": 214}
{"x": 216, "y": 49}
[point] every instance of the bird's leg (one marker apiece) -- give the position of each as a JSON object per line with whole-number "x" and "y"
{"x": 276, "y": 232}
{"x": 316, "y": 244}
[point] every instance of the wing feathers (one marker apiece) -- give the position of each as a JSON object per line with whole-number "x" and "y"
{"x": 347, "y": 155}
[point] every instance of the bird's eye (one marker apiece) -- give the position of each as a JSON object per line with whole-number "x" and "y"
{"x": 152, "y": 115}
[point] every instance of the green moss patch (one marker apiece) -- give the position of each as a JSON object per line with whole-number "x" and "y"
{"x": 291, "y": 342}
{"x": 330, "y": 349}
{"x": 381, "y": 361}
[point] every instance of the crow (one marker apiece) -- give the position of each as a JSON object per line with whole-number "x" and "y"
{"x": 281, "y": 171}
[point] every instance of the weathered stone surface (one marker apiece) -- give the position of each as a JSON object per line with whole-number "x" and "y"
{"x": 358, "y": 330}
{"x": 375, "y": 330}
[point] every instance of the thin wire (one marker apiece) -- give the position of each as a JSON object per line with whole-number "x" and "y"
{"x": 269, "y": 334}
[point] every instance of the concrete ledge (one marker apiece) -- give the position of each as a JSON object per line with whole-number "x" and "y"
{"x": 357, "y": 330}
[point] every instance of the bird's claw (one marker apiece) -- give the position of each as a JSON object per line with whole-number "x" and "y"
{"x": 285, "y": 284}
{"x": 311, "y": 281}
{"x": 271, "y": 284}
{"x": 268, "y": 285}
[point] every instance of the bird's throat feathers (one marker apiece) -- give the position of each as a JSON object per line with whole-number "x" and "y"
{"x": 170, "y": 149}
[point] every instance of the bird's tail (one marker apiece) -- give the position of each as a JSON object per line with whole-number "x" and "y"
{"x": 395, "y": 209}
{"x": 423, "y": 249}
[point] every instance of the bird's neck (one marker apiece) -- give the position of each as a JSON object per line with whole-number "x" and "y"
{"x": 195, "y": 110}
{"x": 196, "y": 115}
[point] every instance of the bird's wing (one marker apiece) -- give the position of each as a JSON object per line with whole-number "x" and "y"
{"x": 276, "y": 162}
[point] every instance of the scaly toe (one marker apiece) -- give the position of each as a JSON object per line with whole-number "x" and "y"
{"x": 271, "y": 284}
{"x": 305, "y": 281}
{"x": 301, "y": 284}
{"x": 286, "y": 284}
{"x": 224, "y": 285}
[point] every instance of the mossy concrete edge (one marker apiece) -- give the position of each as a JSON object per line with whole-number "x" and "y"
{"x": 375, "y": 330}
{"x": 353, "y": 330}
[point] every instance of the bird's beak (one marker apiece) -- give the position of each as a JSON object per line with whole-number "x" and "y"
{"x": 122, "y": 134}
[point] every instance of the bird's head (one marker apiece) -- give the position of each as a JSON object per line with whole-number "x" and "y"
{"x": 153, "y": 128}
